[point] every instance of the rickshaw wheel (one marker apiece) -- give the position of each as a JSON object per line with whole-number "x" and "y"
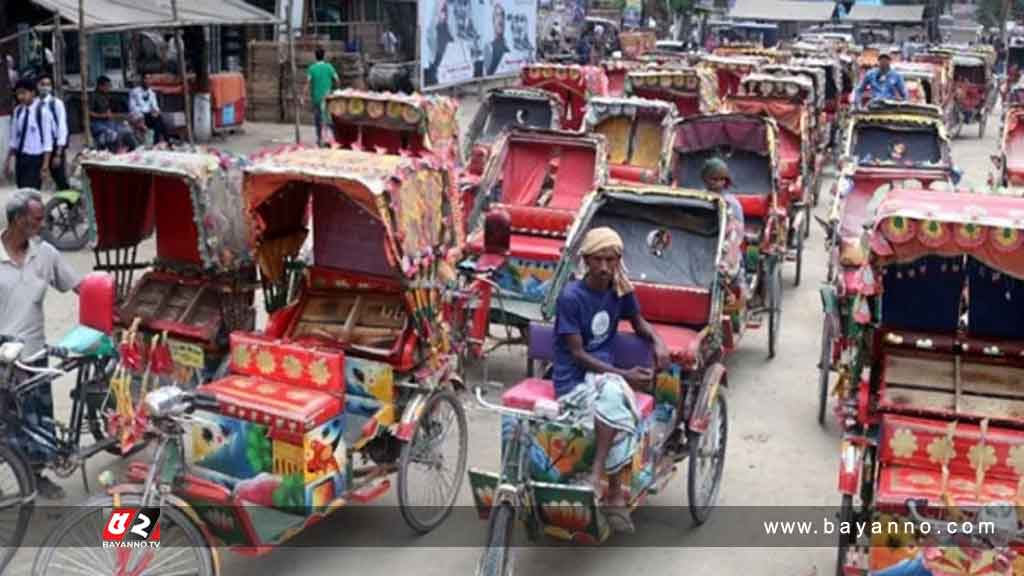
{"x": 824, "y": 369}
{"x": 16, "y": 484}
{"x": 958, "y": 122}
{"x": 497, "y": 558}
{"x": 441, "y": 476}
{"x": 843, "y": 546}
{"x": 981, "y": 125}
{"x": 66, "y": 226}
{"x": 799, "y": 260}
{"x": 774, "y": 298}
{"x": 707, "y": 447}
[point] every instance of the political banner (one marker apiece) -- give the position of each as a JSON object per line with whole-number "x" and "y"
{"x": 463, "y": 40}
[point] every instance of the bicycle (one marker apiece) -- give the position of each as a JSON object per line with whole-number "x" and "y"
{"x": 184, "y": 548}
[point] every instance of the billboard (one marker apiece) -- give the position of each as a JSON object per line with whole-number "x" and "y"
{"x": 461, "y": 40}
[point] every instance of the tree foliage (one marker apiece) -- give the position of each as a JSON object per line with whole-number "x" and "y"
{"x": 989, "y": 13}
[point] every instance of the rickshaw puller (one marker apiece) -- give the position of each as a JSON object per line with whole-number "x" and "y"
{"x": 885, "y": 83}
{"x": 586, "y": 324}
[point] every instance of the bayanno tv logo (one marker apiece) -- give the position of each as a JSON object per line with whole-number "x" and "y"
{"x": 132, "y": 528}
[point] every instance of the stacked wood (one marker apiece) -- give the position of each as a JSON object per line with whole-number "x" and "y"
{"x": 269, "y": 77}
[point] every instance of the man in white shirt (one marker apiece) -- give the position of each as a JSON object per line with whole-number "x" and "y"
{"x": 31, "y": 141}
{"x": 59, "y": 115}
{"x": 389, "y": 42}
{"x": 143, "y": 100}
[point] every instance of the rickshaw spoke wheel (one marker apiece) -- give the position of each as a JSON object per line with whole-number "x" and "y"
{"x": 433, "y": 463}
{"x": 72, "y": 548}
{"x": 15, "y": 486}
{"x": 706, "y": 461}
{"x": 773, "y": 296}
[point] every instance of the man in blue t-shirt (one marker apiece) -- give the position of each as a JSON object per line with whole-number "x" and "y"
{"x": 884, "y": 82}
{"x": 587, "y": 320}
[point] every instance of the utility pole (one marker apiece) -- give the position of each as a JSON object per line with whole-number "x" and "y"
{"x": 83, "y": 71}
{"x": 1006, "y": 16}
{"x": 183, "y": 70}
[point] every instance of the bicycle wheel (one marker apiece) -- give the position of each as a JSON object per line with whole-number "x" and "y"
{"x": 74, "y": 547}
{"x": 66, "y": 226}
{"x": 433, "y": 464}
{"x": 824, "y": 370}
{"x": 707, "y": 459}
{"x": 497, "y": 558}
{"x": 16, "y": 485}
{"x": 774, "y": 299}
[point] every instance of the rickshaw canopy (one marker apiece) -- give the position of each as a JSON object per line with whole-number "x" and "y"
{"x": 920, "y": 127}
{"x": 728, "y": 70}
{"x": 634, "y": 128}
{"x": 575, "y": 84}
{"x": 784, "y": 98}
{"x": 395, "y": 123}
{"x": 375, "y": 214}
{"x": 190, "y": 198}
{"x": 743, "y": 140}
{"x": 814, "y": 74}
{"x": 831, "y": 68}
{"x": 910, "y": 224}
{"x": 692, "y": 90}
{"x": 504, "y": 107}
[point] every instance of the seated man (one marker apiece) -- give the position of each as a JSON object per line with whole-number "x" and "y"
{"x": 586, "y": 323}
{"x": 715, "y": 174}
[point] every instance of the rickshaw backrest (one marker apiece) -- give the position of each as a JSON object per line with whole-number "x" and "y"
{"x": 96, "y": 302}
{"x": 873, "y": 142}
{"x": 529, "y": 164}
{"x": 751, "y": 173}
{"x": 923, "y": 295}
{"x": 347, "y": 237}
{"x": 177, "y": 238}
{"x": 630, "y": 349}
{"x": 994, "y": 307}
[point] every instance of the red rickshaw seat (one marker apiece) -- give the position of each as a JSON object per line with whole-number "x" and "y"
{"x": 524, "y": 395}
{"x": 537, "y": 220}
{"x": 283, "y": 408}
{"x": 755, "y": 206}
{"x": 525, "y": 247}
{"x": 683, "y": 343}
{"x": 673, "y": 304}
{"x": 632, "y": 173}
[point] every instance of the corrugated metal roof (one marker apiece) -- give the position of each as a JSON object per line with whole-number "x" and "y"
{"x": 885, "y": 14}
{"x": 128, "y": 14}
{"x": 782, "y": 10}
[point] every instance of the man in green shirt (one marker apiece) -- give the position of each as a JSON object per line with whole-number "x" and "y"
{"x": 321, "y": 79}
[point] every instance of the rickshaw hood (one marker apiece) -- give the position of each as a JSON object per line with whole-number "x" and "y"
{"x": 912, "y": 223}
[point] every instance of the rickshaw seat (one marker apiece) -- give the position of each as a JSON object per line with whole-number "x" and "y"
{"x": 524, "y": 395}
{"x": 910, "y": 469}
{"x": 283, "y": 408}
{"x": 526, "y": 247}
{"x": 96, "y": 302}
{"x": 537, "y": 220}
{"x": 674, "y": 304}
{"x": 754, "y": 205}
{"x": 683, "y": 343}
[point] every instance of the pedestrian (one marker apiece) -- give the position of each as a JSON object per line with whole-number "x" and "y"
{"x": 389, "y": 43}
{"x": 102, "y": 122}
{"x": 143, "y": 100}
{"x": 31, "y": 140}
{"x": 59, "y": 115}
{"x": 28, "y": 266}
{"x": 321, "y": 78}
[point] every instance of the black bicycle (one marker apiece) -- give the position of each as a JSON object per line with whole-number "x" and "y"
{"x": 28, "y": 443}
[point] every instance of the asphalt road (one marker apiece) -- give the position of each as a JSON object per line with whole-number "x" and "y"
{"x": 777, "y": 456}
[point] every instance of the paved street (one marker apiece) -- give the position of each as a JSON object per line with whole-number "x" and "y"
{"x": 777, "y": 454}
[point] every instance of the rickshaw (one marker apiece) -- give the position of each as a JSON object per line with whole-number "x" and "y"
{"x": 504, "y": 107}
{"x": 616, "y": 69}
{"x": 834, "y": 93}
{"x": 536, "y": 179}
{"x": 547, "y": 449}
{"x": 574, "y": 84}
{"x": 748, "y": 49}
{"x": 637, "y": 132}
{"x": 729, "y": 70}
{"x": 821, "y": 129}
{"x": 943, "y": 91}
{"x": 926, "y": 83}
{"x": 975, "y": 90}
{"x": 934, "y": 412}
{"x": 788, "y": 101}
{"x": 637, "y": 42}
{"x": 1010, "y": 161}
{"x": 867, "y": 174}
{"x": 1014, "y": 61}
{"x": 692, "y": 90}
{"x": 359, "y": 366}
{"x": 395, "y": 123}
{"x": 748, "y": 144}
{"x": 201, "y": 284}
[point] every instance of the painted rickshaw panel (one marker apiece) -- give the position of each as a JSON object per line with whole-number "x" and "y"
{"x": 692, "y": 90}
{"x": 616, "y": 69}
{"x": 412, "y": 124}
{"x": 1013, "y": 143}
{"x": 638, "y": 133}
{"x": 575, "y": 84}
{"x": 728, "y": 71}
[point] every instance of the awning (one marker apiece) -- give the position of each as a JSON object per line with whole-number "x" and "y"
{"x": 782, "y": 10}
{"x": 115, "y": 15}
{"x": 886, "y": 14}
